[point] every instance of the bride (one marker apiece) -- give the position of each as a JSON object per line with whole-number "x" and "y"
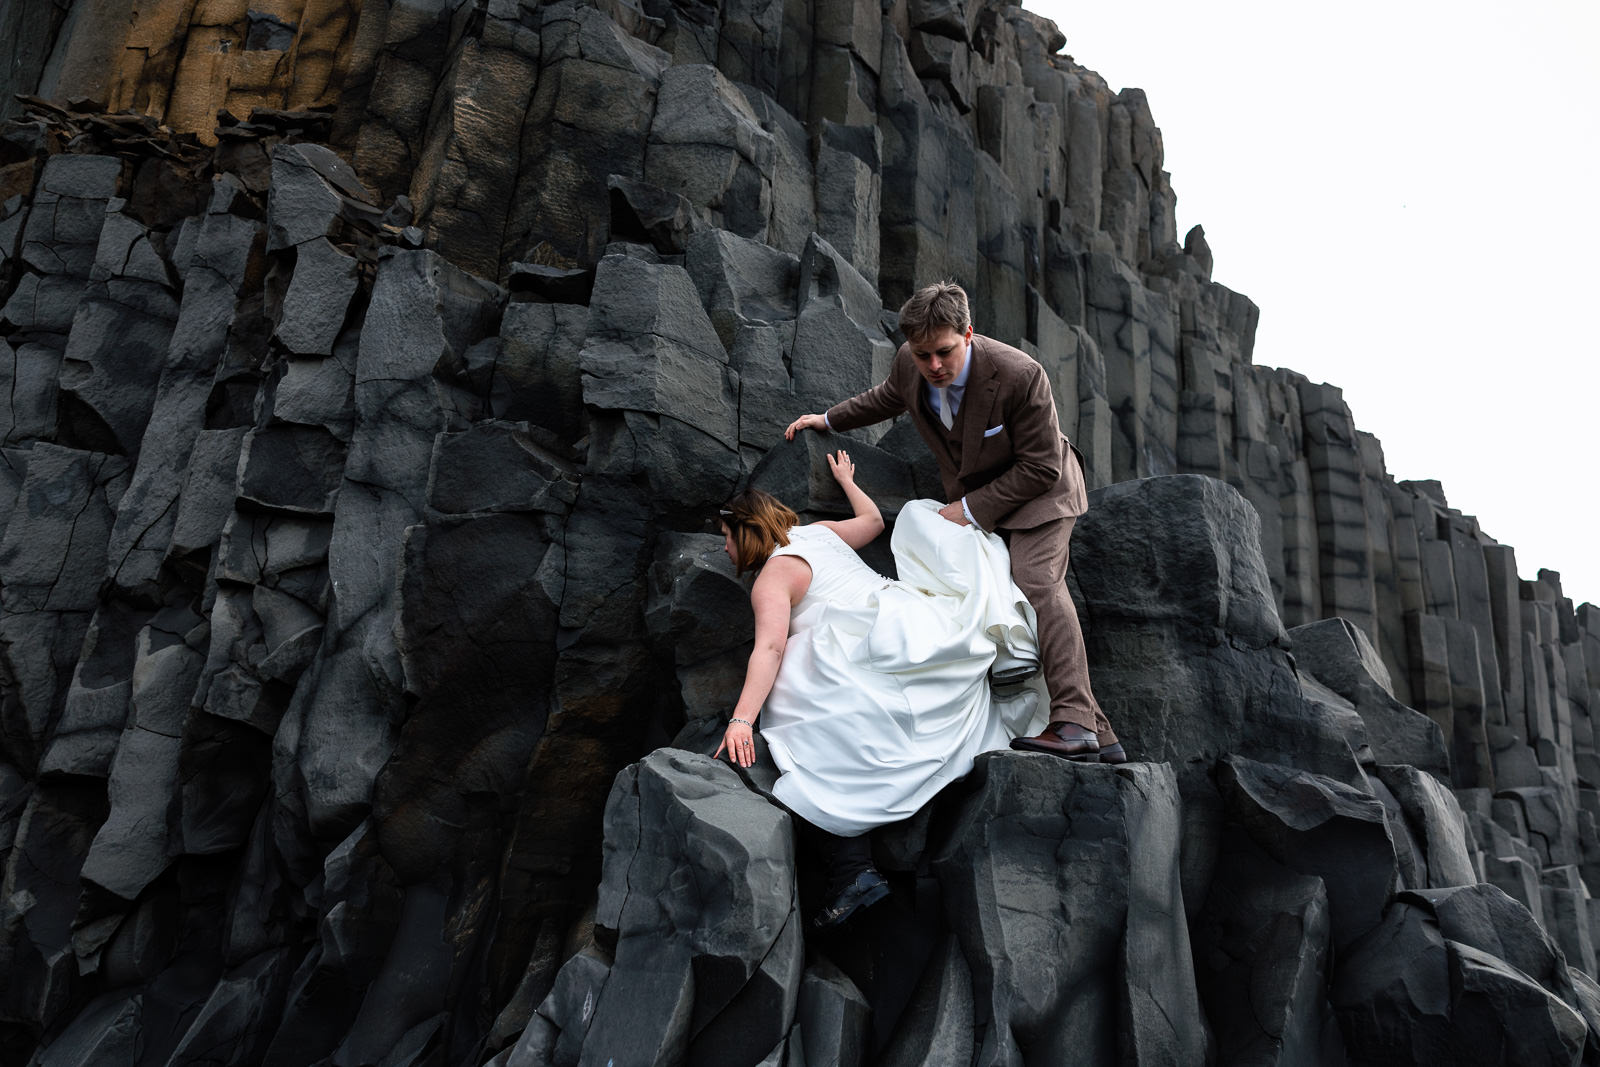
{"x": 876, "y": 693}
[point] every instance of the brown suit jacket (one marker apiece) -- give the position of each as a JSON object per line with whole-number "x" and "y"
{"x": 1006, "y": 453}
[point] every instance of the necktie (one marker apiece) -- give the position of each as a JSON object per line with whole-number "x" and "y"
{"x": 946, "y": 416}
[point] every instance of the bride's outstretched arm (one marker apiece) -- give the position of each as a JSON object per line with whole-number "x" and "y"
{"x": 779, "y": 586}
{"x": 868, "y": 521}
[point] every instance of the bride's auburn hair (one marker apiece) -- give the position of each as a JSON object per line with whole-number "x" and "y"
{"x": 759, "y": 523}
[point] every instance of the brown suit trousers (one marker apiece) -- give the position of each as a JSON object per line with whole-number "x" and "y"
{"x": 1039, "y": 557}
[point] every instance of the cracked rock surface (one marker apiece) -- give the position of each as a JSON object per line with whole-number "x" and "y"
{"x": 370, "y": 377}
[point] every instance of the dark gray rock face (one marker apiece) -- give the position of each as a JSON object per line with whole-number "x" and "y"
{"x": 360, "y": 448}
{"x": 1177, "y": 555}
{"x": 1341, "y": 658}
{"x": 698, "y": 945}
{"x": 1188, "y": 657}
{"x": 1262, "y": 956}
{"x": 1408, "y": 993}
{"x": 1054, "y": 959}
{"x": 1317, "y": 826}
{"x": 705, "y": 957}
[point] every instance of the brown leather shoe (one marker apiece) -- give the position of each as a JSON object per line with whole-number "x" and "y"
{"x": 1076, "y": 743}
{"x": 1114, "y": 753}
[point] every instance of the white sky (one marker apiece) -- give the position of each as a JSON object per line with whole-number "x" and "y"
{"x": 1408, "y": 190}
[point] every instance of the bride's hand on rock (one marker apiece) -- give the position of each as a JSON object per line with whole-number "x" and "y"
{"x": 844, "y": 471}
{"x": 739, "y": 743}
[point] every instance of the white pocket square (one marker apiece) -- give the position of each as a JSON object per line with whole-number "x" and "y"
{"x": 991, "y": 431}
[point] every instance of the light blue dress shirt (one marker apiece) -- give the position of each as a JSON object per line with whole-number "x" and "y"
{"x": 954, "y": 389}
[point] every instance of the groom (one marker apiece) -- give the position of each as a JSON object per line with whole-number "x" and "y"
{"x": 986, "y": 412}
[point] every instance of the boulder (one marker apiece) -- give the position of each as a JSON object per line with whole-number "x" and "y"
{"x": 706, "y": 144}
{"x": 936, "y": 1026}
{"x": 1052, "y": 956}
{"x": 711, "y": 961}
{"x": 1317, "y": 826}
{"x": 314, "y": 193}
{"x": 1486, "y": 919}
{"x": 741, "y": 282}
{"x": 1186, "y": 652}
{"x": 1437, "y": 822}
{"x": 652, "y": 349}
{"x": 648, "y": 214}
{"x": 832, "y": 1018}
{"x": 700, "y": 610}
{"x": 1339, "y": 656}
{"x": 319, "y": 296}
{"x": 1391, "y": 991}
{"x": 797, "y": 473}
{"x": 1504, "y": 1017}
{"x": 1262, "y": 957}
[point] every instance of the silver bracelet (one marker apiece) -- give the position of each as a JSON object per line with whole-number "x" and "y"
{"x": 741, "y": 722}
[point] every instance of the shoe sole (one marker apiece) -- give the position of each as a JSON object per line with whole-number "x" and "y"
{"x": 875, "y": 894}
{"x": 1021, "y": 745}
{"x": 868, "y": 899}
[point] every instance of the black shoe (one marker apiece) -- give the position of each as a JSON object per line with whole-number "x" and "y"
{"x": 1003, "y": 679}
{"x": 868, "y": 888}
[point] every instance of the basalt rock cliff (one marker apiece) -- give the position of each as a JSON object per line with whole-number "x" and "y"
{"x": 372, "y": 372}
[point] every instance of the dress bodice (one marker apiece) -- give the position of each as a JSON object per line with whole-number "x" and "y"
{"x": 839, "y": 577}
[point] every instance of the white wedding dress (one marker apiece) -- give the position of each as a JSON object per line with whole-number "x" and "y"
{"x": 883, "y": 695}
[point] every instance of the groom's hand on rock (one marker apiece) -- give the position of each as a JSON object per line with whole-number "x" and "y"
{"x": 955, "y": 513}
{"x": 805, "y": 422}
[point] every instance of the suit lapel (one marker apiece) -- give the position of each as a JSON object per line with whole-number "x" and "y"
{"x": 977, "y": 404}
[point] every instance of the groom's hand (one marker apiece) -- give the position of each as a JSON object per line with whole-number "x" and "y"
{"x": 805, "y": 422}
{"x": 955, "y": 513}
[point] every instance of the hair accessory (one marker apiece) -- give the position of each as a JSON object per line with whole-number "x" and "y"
{"x": 725, "y": 513}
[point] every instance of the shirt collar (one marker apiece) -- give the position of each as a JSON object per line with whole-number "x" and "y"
{"x": 966, "y": 369}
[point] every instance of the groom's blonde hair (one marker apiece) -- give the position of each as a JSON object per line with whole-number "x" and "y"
{"x": 934, "y": 307}
{"x": 759, "y": 523}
